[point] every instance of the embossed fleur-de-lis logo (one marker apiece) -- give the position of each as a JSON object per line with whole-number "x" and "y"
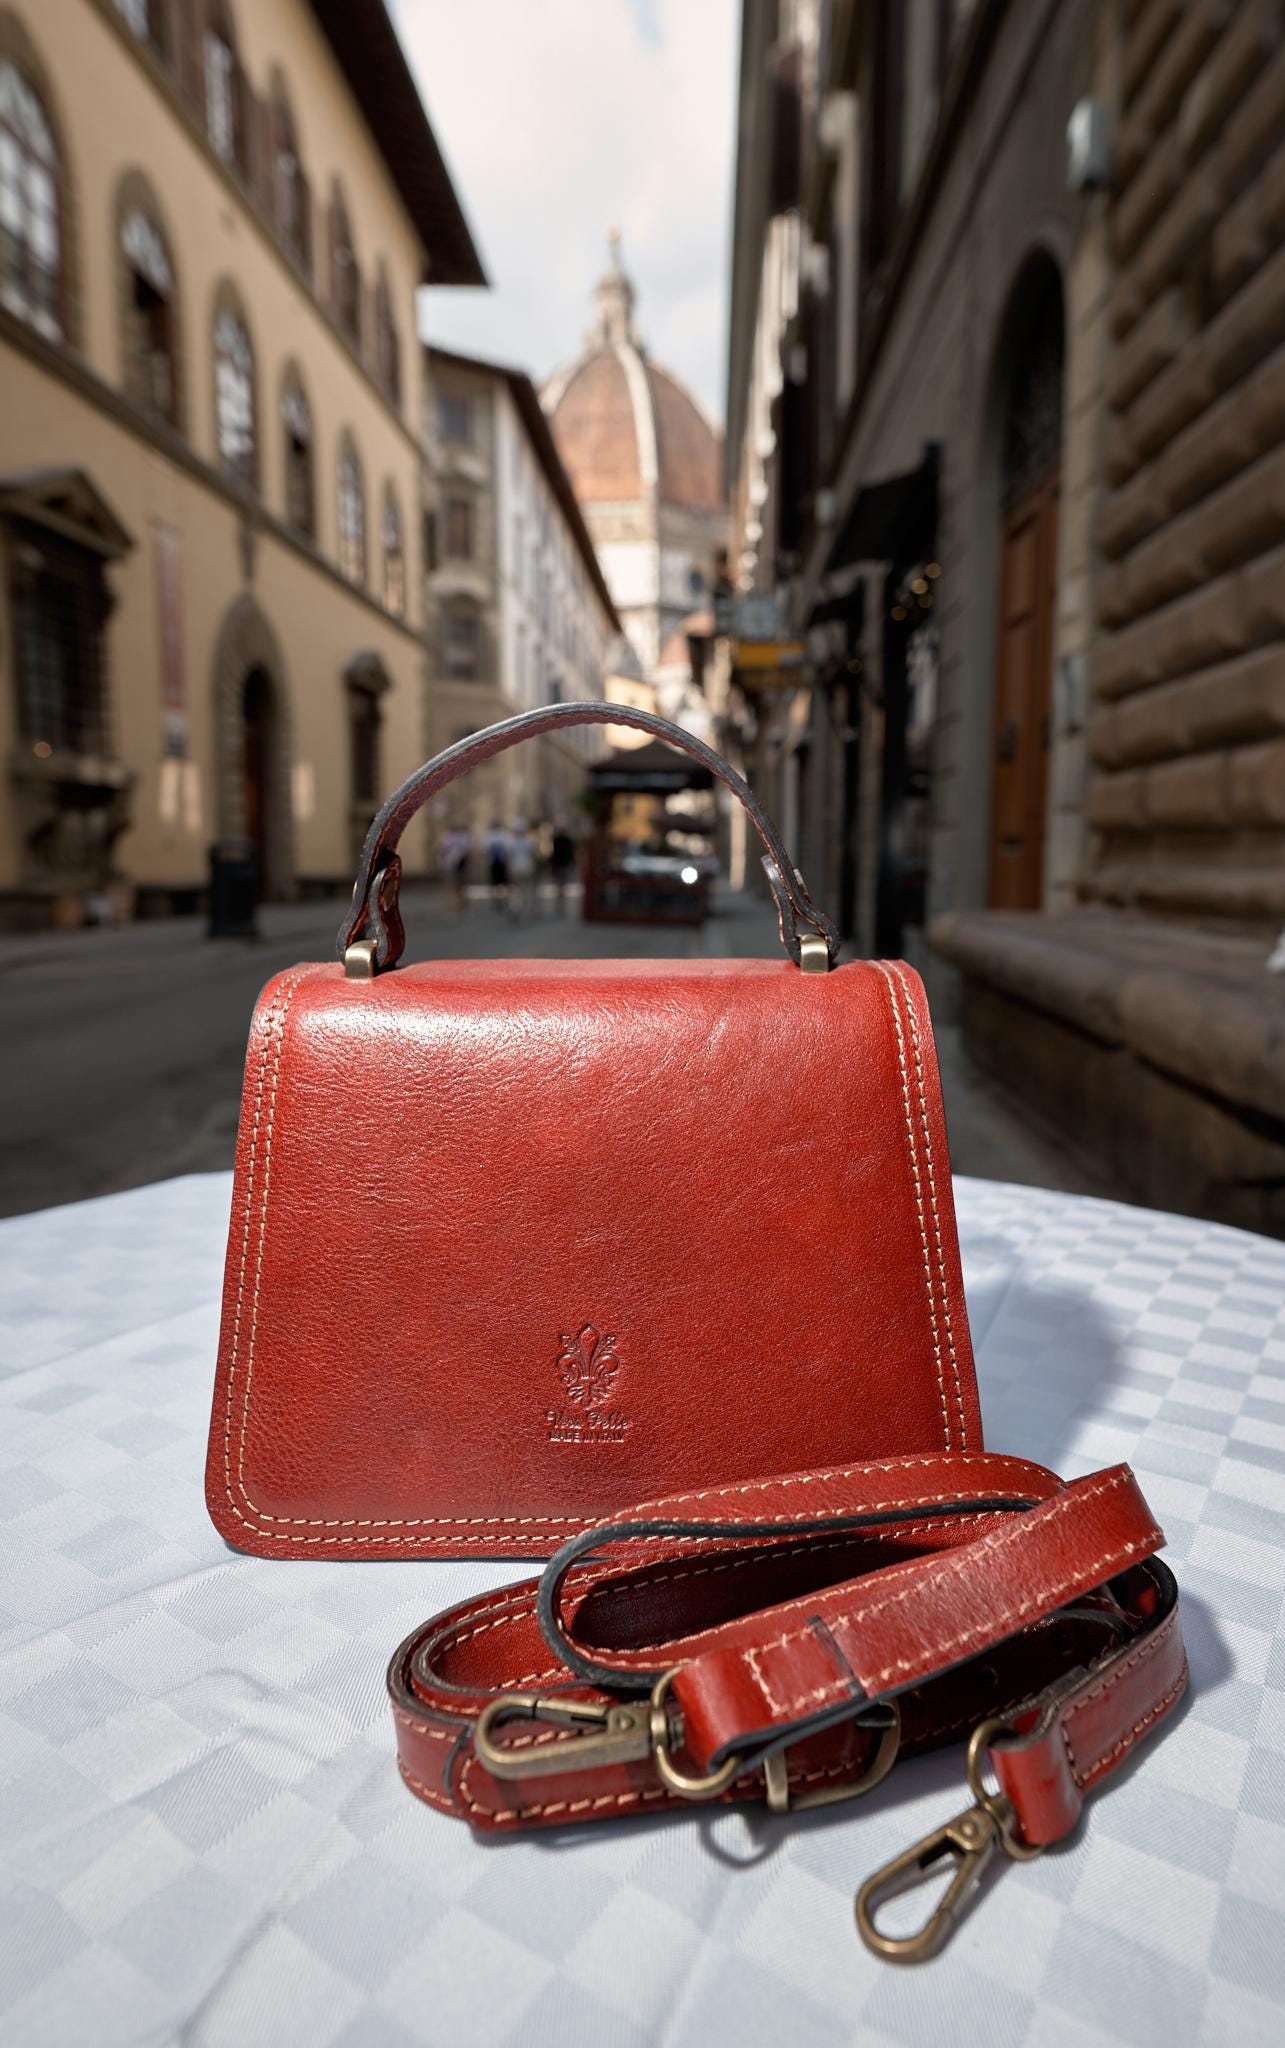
{"x": 588, "y": 1365}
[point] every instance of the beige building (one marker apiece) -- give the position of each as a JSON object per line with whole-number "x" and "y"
{"x": 519, "y": 611}
{"x": 214, "y": 217}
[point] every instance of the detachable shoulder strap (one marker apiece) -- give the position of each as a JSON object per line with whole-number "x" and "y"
{"x": 788, "y": 1638}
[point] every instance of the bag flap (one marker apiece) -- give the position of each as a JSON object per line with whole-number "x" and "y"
{"x": 514, "y": 1243}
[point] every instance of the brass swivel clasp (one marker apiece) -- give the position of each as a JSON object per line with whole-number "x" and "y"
{"x": 598, "y": 1733}
{"x": 970, "y": 1841}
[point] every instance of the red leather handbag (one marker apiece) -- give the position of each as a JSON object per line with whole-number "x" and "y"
{"x": 515, "y": 1243}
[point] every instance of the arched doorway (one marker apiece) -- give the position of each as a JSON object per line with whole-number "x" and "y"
{"x": 1031, "y": 369}
{"x": 252, "y": 711}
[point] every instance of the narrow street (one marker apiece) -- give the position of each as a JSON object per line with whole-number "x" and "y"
{"x": 124, "y": 1048}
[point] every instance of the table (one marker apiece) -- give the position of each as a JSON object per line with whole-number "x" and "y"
{"x": 202, "y": 1833}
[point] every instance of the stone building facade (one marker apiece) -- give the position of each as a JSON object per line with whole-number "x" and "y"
{"x": 1028, "y": 527}
{"x": 520, "y": 614}
{"x": 216, "y": 217}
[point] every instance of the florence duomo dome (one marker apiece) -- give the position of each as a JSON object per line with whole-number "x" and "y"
{"x": 646, "y": 466}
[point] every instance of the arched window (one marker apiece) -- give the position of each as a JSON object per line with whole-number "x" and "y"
{"x": 296, "y": 422}
{"x": 30, "y": 215}
{"x": 291, "y": 198}
{"x": 234, "y": 395}
{"x": 388, "y": 348}
{"x": 151, "y": 362}
{"x": 394, "y": 554}
{"x": 149, "y": 22}
{"x": 224, "y": 85}
{"x": 345, "y": 278}
{"x": 352, "y": 515}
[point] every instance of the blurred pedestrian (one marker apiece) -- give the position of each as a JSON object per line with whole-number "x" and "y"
{"x": 498, "y": 846}
{"x": 562, "y": 864}
{"x": 521, "y": 870}
{"x": 455, "y": 853}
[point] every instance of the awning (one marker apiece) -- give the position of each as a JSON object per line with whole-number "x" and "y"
{"x": 842, "y": 596}
{"x": 652, "y": 770}
{"x": 768, "y": 664}
{"x": 892, "y": 521}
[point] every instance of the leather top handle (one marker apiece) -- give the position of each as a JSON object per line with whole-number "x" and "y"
{"x": 374, "y": 931}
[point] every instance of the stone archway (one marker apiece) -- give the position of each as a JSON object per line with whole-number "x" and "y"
{"x": 254, "y": 744}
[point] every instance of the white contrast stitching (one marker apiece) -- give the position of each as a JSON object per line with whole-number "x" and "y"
{"x": 996, "y": 1460}
{"x": 917, "y": 1587}
{"x": 1150, "y": 1648}
{"x": 932, "y": 1192}
{"x": 287, "y": 1525}
{"x": 275, "y": 1019}
{"x": 1109, "y": 1757}
{"x": 919, "y": 1196}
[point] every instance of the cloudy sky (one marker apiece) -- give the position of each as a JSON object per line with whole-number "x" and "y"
{"x": 561, "y": 119}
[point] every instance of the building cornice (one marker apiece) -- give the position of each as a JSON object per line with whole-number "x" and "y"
{"x": 72, "y": 370}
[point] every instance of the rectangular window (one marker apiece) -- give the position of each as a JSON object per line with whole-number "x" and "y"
{"x": 454, "y": 417}
{"x": 150, "y": 343}
{"x": 459, "y": 529}
{"x": 166, "y": 545}
{"x": 59, "y": 603}
{"x": 365, "y": 749}
{"x": 462, "y": 646}
{"x": 221, "y": 97}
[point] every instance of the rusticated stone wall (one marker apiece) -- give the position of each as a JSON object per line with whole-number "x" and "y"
{"x": 1187, "y": 743}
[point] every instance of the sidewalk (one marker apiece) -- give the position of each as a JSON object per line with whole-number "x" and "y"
{"x": 130, "y": 1043}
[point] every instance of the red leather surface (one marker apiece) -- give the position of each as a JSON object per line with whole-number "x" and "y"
{"x": 1082, "y": 1738}
{"x": 734, "y": 1172}
{"x": 923, "y": 1613}
{"x": 1054, "y": 1618}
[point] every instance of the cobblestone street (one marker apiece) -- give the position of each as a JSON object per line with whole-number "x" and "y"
{"x": 124, "y": 1048}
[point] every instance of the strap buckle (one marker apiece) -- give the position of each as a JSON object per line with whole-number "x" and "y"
{"x": 969, "y": 1840}
{"x": 885, "y": 1715}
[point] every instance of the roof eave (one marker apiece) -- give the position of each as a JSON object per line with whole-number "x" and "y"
{"x": 367, "y": 49}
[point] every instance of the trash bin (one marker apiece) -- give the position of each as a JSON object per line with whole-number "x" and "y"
{"x": 234, "y": 889}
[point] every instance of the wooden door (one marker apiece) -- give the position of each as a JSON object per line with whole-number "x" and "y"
{"x": 258, "y": 716}
{"x": 1023, "y": 699}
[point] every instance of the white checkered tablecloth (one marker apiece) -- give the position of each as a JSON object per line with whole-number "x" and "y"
{"x": 203, "y": 1836}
